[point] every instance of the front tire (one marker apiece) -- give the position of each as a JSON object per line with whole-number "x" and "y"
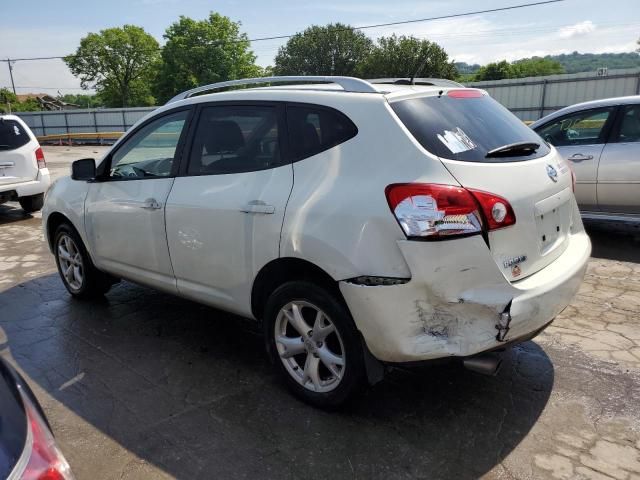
{"x": 32, "y": 203}
{"x": 314, "y": 344}
{"x": 80, "y": 277}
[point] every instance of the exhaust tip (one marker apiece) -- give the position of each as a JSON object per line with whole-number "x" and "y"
{"x": 485, "y": 363}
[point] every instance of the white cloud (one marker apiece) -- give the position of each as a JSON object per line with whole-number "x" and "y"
{"x": 581, "y": 28}
{"x": 537, "y": 41}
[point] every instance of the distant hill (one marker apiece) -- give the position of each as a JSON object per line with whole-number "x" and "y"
{"x": 577, "y": 62}
{"x": 587, "y": 62}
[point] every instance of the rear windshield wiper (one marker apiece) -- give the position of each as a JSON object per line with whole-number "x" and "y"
{"x": 513, "y": 149}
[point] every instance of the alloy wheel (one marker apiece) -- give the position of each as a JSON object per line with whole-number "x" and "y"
{"x": 310, "y": 346}
{"x": 70, "y": 260}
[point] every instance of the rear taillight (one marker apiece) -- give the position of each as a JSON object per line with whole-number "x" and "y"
{"x": 498, "y": 213}
{"x": 40, "y": 158}
{"x": 433, "y": 211}
{"x": 46, "y": 461}
{"x": 429, "y": 210}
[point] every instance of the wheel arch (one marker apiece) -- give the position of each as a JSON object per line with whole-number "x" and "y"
{"x": 54, "y": 220}
{"x": 281, "y": 270}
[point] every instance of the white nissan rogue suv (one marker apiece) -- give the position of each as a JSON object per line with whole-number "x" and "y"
{"x": 24, "y": 175}
{"x": 364, "y": 224}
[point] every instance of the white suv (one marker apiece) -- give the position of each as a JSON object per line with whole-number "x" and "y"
{"x": 362, "y": 223}
{"x": 24, "y": 175}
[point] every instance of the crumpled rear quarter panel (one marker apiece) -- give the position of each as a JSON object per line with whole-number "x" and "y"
{"x": 451, "y": 305}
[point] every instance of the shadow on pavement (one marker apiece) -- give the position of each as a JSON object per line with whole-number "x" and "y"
{"x": 11, "y": 212}
{"x": 614, "y": 240}
{"x": 188, "y": 389}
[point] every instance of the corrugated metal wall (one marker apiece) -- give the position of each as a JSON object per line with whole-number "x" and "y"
{"x": 529, "y": 98}
{"x": 83, "y": 121}
{"x": 533, "y": 97}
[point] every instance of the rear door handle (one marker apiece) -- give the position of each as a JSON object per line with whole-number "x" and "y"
{"x": 257, "y": 206}
{"x": 151, "y": 204}
{"x": 578, "y": 157}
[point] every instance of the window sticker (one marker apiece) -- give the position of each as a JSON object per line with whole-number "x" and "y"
{"x": 16, "y": 130}
{"x": 457, "y": 141}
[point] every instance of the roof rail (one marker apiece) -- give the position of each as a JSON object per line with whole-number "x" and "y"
{"x": 436, "y": 82}
{"x": 349, "y": 84}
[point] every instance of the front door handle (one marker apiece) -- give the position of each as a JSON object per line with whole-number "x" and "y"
{"x": 151, "y": 204}
{"x": 578, "y": 157}
{"x": 258, "y": 206}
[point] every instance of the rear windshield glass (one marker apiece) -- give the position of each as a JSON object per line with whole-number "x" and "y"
{"x": 467, "y": 127}
{"x": 12, "y": 135}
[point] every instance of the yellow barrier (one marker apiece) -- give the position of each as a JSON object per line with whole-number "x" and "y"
{"x": 69, "y": 137}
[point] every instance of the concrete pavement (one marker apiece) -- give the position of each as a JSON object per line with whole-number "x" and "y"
{"x": 146, "y": 385}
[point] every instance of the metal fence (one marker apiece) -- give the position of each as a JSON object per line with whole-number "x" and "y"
{"x": 534, "y": 97}
{"x": 83, "y": 121}
{"x": 529, "y": 98}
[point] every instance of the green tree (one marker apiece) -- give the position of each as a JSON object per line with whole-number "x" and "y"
{"x": 494, "y": 71}
{"x": 118, "y": 63}
{"x": 334, "y": 49}
{"x": 28, "y": 105}
{"x": 527, "y": 67}
{"x": 535, "y": 67}
{"x": 9, "y": 103}
{"x": 200, "y": 52}
{"x": 403, "y": 56}
{"x": 7, "y": 100}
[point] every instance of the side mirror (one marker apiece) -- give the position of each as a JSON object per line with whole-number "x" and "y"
{"x": 84, "y": 169}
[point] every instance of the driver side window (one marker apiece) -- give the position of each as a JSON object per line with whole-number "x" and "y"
{"x": 150, "y": 152}
{"x": 580, "y": 128}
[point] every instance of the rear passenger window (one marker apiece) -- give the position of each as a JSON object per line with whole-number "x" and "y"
{"x": 630, "y": 127}
{"x": 315, "y": 129}
{"x": 235, "y": 138}
{"x": 579, "y": 128}
{"x": 12, "y": 135}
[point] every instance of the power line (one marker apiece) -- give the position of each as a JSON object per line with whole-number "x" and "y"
{"x": 31, "y": 58}
{"x": 428, "y": 19}
{"x": 363, "y": 27}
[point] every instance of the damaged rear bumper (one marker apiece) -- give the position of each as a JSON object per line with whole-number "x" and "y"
{"x": 454, "y": 302}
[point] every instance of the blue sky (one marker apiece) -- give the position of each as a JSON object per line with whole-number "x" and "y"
{"x": 44, "y": 28}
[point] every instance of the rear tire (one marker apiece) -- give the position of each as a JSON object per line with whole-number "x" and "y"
{"x": 79, "y": 276}
{"x": 314, "y": 344}
{"x": 32, "y": 203}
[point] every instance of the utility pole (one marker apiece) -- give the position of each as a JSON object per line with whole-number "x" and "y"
{"x": 13, "y": 85}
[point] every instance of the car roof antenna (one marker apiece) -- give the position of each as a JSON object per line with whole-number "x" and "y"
{"x": 419, "y": 70}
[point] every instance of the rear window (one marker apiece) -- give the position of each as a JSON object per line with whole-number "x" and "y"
{"x": 12, "y": 135}
{"x": 466, "y": 126}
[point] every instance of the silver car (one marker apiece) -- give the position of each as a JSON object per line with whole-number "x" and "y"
{"x": 601, "y": 139}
